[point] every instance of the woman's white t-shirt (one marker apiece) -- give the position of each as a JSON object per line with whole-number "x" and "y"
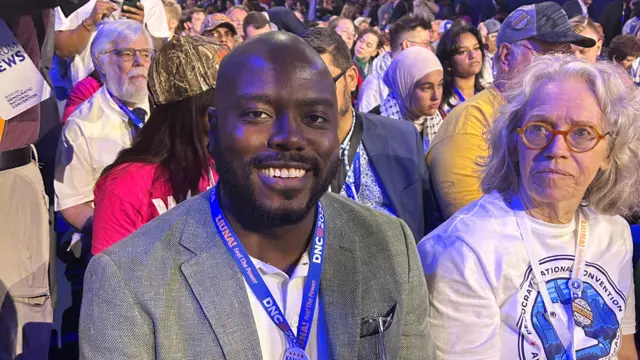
{"x": 484, "y": 302}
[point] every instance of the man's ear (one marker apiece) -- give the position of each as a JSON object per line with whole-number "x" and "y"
{"x": 504, "y": 52}
{"x": 351, "y": 77}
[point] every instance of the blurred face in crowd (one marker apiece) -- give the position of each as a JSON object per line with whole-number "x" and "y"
{"x": 491, "y": 43}
{"x": 253, "y": 32}
{"x": 555, "y": 173}
{"x": 196, "y": 23}
{"x": 347, "y": 32}
{"x": 345, "y": 85}
{"x": 223, "y": 35}
{"x": 467, "y": 62}
{"x": 299, "y": 15}
{"x": 513, "y": 58}
{"x": 589, "y": 54}
{"x": 435, "y": 30}
{"x": 363, "y": 26}
{"x": 418, "y": 37}
{"x": 274, "y": 134}
{"x": 237, "y": 18}
{"x": 427, "y": 94}
{"x": 191, "y": 4}
{"x": 627, "y": 62}
{"x": 126, "y": 68}
{"x": 366, "y": 47}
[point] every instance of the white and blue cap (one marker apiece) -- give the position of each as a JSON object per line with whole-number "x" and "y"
{"x": 545, "y": 22}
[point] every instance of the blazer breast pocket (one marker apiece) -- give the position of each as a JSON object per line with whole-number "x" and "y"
{"x": 378, "y": 323}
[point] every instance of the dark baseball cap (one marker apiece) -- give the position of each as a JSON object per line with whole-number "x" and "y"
{"x": 545, "y": 22}
{"x": 214, "y": 21}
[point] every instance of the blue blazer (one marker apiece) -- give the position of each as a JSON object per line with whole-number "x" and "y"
{"x": 395, "y": 150}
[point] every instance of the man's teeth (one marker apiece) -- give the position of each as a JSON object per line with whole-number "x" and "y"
{"x": 284, "y": 173}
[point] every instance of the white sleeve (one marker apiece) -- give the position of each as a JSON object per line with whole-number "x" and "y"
{"x": 74, "y": 19}
{"x": 62, "y": 23}
{"x": 628, "y": 325}
{"x": 369, "y": 96}
{"x": 74, "y": 180}
{"x": 156, "y": 19}
{"x": 464, "y": 315}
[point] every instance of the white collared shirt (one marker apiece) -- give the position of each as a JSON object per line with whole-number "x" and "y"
{"x": 90, "y": 141}
{"x": 155, "y": 20}
{"x": 585, "y": 8}
{"x": 287, "y": 291}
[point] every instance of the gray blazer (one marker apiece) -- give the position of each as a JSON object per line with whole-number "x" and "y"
{"x": 172, "y": 291}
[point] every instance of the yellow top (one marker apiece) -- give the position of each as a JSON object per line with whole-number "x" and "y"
{"x": 458, "y": 149}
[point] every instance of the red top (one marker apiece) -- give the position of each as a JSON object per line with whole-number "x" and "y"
{"x": 127, "y": 198}
{"x": 80, "y": 92}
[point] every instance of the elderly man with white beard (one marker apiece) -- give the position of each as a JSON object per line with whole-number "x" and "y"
{"x": 107, "y": 122}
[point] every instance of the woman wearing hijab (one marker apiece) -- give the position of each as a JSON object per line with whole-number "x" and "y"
{"x": 414, "y": 79}
{"x": 168, "y": 160}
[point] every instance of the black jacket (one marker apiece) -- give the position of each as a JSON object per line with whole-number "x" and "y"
{"x": 286, "y": 20}
{"x": 611, "y": 20}
{"x": 573, "y": 9}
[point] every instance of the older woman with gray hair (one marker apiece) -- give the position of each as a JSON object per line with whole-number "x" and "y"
{"x": 541, "y": 266}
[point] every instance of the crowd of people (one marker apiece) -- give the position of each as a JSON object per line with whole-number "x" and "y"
{"x": 383, "y": 179}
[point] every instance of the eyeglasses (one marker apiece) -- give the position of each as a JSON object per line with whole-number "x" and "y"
{"x": 346, "y": 32}
{"x": 337, "y": 77}
{"x": 423, "y": 44}
{"x": 579, "y": 138}
{"x": 128, "y": 54}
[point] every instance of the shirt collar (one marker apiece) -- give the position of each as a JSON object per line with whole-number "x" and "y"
{"x": 301, "y": 270}
{"x": 344, "y": 147}
{"x": 114, "y": 106}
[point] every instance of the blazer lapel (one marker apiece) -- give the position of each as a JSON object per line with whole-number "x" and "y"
{"x": 378, "y": 149}
{"x": 219, "y": 287}
{"x": 340, "y": 286}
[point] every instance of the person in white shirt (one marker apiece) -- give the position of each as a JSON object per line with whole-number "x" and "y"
{"x": 105, "y": 123}
{"x": 75, "y": 32}
{"x": 540, "y": 267}
{"x": 407, "y": 32}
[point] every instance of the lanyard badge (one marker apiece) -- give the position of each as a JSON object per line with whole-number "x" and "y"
{"x": 581, "y": 310}
{"x": 296, "y": 344}
{"x": 133, "y": 117}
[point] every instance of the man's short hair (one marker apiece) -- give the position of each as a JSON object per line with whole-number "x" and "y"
{"x": 237, "y": 7}
{"x": 254, "y": 5}
{"x": 110, "y": 32}
{"x": 326, "y": 41}
{"x": 194, "y": 11}
{"x": 256, "y": 20}
{"x": 172, "y": 9}
{"x": 623, "y": 46}
{"x": 333, "y": 23}
{"x": 404, "y": 25}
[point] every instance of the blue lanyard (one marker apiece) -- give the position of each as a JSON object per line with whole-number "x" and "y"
{"x": 133, "y": 117}
{"x": 459, "y": 94}
{"x": 257, "y": 284}
{"x": 352, "y": 190}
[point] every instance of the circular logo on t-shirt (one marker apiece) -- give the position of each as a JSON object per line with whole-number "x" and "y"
{"x": 595, "y": 311}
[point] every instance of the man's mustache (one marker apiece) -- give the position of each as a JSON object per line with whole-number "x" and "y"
{"x": 137, "y": 71}
{"x": 292, "y": 157}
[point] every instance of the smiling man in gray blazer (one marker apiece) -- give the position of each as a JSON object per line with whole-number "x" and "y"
{"x": 267, "y": 265}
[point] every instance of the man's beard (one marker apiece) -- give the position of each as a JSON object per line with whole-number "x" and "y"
{"x": 236, "y": 185}
{"x": 127, "y": 90}
{"x": 346, "y": 103}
